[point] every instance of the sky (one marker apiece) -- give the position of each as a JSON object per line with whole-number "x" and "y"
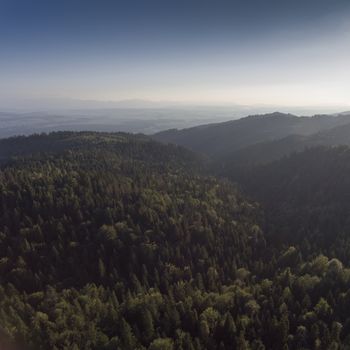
{"x": 285, "y": 52}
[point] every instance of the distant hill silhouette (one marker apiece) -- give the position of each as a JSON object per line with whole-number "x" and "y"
{"x": 222, "y": 139}
{"x": 265, "y": 152}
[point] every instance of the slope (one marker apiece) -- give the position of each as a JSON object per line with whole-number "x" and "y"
{"x": 220, "y": 140}
{"x": 306, "y": 198}
{"x": 266, "y": 152}
{"x": 104, "y": 236}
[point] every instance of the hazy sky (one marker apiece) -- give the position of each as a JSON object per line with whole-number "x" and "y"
{"x": 285, "y": 52}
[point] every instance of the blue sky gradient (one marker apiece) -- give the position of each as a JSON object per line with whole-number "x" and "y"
{"x": 207, "y": 52}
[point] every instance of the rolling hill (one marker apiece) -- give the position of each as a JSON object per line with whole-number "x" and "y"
{"x": 222, "y": 139}
{"x": 116, "y": 241}
{"x": 105, "y": 239}
{"x": 306, "y": 197}
{"x": 265, "y": 152}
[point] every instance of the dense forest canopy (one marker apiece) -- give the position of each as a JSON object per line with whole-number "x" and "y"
{"x": 115, "y": 241}
{"x": 305, "y": 197}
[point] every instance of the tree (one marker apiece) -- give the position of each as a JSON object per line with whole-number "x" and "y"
{"x": 162, "y": 344}
{"x": 127, "y": 338}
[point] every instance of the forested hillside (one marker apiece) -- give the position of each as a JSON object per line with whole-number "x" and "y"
{"x": 113, "y": 241}
{"x": 266, "y": 152}
{"x": 221, "y": 140}
{"x": 306, "y": 198}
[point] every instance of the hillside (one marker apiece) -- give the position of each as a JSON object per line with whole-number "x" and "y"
{"x": 266, "y": 152}
{"x": 117, "y": 232}
{"x": 222, "y": 139}
{"x": 115, "y": 241}
{"x": 306, "y": 198}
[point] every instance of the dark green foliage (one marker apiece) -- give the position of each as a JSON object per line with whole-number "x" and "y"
{"x": 306, "y": 199}
{"x": 113, "y": 241}
{"x": 121, "y": 222}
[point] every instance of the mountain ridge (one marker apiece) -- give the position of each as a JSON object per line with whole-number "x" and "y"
{"x": 220, "y": 139}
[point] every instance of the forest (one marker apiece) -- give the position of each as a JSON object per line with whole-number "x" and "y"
{"x": 116, "y": 241}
